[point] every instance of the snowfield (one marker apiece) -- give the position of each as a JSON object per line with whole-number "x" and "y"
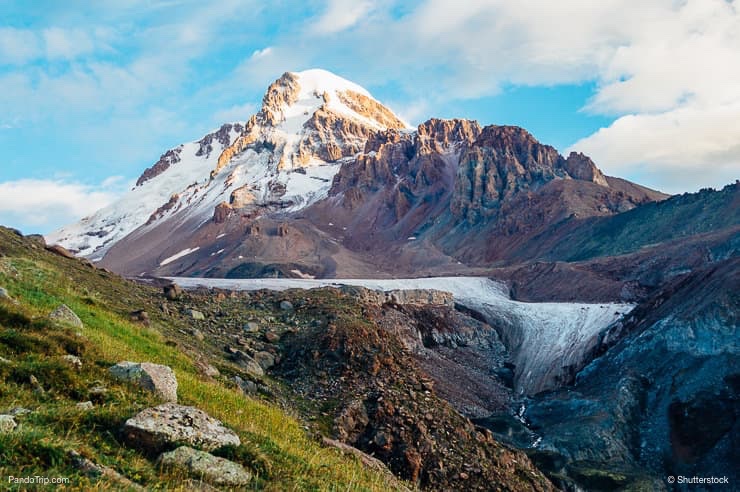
{"x": 199, "y": 193}
{"x": 547, "y": 340}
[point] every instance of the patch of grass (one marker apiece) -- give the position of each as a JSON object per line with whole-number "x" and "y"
{"x": 275, "y": 446}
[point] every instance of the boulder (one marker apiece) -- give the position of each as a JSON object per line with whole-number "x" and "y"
{"x": 247, "y": 387}
{"x": 7, "y": 423}
{"x": 211, "y": 469}
{"x": 158, "y": 428}
{"x": 84, "y": 405}
{"x": 61, "y": 251}
{"x": 248, "y": 363}
{"x": 156, "y": 378}
{"x": 251, "y": 326}
{"x": 172, "y": 291}
{"x": 4, "y": 294}
{"x": 196, "y": 315}
{"x": 272, "y": 337}
{"x": 265, "y": 359}
{"x": 64, "y": 314}
{"x": 286, "y": 305}
{"x": 140, "y": 316}
{"x": 73, "y": 361}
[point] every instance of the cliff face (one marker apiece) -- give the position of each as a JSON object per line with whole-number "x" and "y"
{"x": 505, "y": 161}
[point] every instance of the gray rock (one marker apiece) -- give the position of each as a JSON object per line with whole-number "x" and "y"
{"x": 18, "y": 411}
{"x": 251, "y": 326}
{"x": 157, "y": 428}
{"x": 3, "y": 360}
{"x": 34, "y": 382}
{"x": 286, "y": 305}
{"x": 247, "y": 387}
{"x": 211, "y": 469}
{"x": 73, "y": 361}
{"x": 198, "y": 335}
{"x": 248, "y": 363}
{"x": 196, "y": 315}
{"x": 7, "y": 424}
{"x": 64, "y": 314}
{"x": 4, "y": 294}
{"x": 265, "y": 359}
{"x": 156, "y": 378}
{"x": 84, "y": 405}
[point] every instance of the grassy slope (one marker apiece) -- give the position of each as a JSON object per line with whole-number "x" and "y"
{"x": 275, "y": 446}
{"x": 674, "y": 218}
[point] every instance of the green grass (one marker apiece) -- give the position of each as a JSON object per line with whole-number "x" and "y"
{"x": 275, "y": 446}
{"x": 677, "y": 217}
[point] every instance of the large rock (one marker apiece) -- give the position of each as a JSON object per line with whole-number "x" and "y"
{"x": 250, "y": 365}
{"x": 172, "y": 291}
{"x": 61, "y": 251}
{"x": 211, "y": 469}
{"x": 161, "y": 427}
{"x": 156, "y": 378}
{"x": 265, "y": 359}
{"x": 7, "y": 423}
{"x": 4, "y": 294}
{"x": 64, "y": 314}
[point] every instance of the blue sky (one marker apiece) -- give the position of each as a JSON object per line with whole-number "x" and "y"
{"x": 93, "y": 92}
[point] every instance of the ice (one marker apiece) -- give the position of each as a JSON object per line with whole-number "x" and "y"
{"x": 544, "y": 337}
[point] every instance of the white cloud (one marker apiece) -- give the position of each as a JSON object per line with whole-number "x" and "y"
{"x": 240, "y": 112}
{"x": 667, "y": 70}
{"x": 18, "y": 45}
{"x": 257, "y": 54}
{"x": 341, "y": 15}
{"x": 677, "y": 150}
{"x": 38, "y": 205}
{"x": 65, "y": 43}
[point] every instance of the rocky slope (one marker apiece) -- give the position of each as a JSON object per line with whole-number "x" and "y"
{"x": 335, "y": 359}
{"x": 662, "y": 397}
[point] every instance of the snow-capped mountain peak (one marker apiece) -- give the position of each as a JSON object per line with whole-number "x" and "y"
{"x": 286, "y": 155}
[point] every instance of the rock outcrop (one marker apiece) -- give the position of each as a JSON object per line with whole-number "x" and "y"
{"x": 156, "y": 378}
{"x": 419, "y": 297}
{"x": 204, "y": 466}
{"x": 64, "y": 314}
{"x": 158, "y": 428}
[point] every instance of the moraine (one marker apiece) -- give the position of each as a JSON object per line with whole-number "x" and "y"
{"x": 544, "y": 338}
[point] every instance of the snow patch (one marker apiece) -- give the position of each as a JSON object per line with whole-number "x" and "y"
{"x": 179, "y": 255}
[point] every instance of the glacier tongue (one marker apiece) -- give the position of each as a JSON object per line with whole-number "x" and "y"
{"x": 547, "y": 340}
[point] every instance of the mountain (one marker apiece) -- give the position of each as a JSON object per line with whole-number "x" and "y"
{"x": 326, "y": 181}
{"x": 598, "y": 336}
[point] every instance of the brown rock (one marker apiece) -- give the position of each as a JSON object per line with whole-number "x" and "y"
{"x": 61, "y": 251}
{"x": 221, "y": 212}
{"x": 172, "y": 291}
